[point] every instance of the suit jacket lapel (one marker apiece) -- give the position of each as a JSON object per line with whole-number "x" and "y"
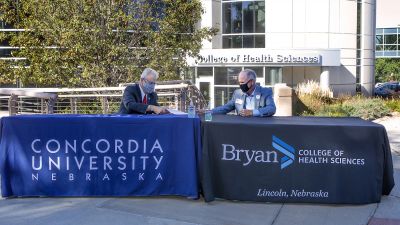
{"x": 139, "y": 93}
{"x": 152, "y": 98}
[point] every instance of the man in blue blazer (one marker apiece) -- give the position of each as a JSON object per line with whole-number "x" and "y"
{"x": 141, "y": 98}
{"x": 251, "y": 99}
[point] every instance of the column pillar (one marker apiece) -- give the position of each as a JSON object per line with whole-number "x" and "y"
{"x": 324, "y": 80}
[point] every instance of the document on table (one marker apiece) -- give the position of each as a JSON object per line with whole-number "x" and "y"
{"x": 176, "y": 112}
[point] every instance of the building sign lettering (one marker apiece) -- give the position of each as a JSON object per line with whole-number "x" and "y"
{"x": 260, "y": 58}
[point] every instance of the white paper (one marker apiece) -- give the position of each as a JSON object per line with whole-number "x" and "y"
{"x": 176, "y": 112}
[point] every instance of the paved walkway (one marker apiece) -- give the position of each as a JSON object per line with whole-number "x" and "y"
{"x": 180, "y": 211}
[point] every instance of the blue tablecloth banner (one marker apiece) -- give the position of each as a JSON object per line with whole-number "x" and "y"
{"x": 99, "y": 155}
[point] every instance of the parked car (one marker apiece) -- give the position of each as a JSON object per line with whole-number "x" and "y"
{"x": 388, "y": 89}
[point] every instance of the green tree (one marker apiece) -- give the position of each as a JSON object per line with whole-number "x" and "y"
{"x": 387, "y": 69}
{"x": 92, "y": 43}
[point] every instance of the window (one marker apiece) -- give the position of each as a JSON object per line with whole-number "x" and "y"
{"x": 222, "y": 95}
{"x": 390, "y": 30}
{"x": 358, "y": 44}
{"x": 205, "y": 90}
{"x": 387, "y": 42}
{"x": 232, "y": 17}
{"x": 389, "y": 53}
{"x": 379, "y": 48}
{"x": 390, "y": 47}
{"x": 379, "y": 39}
{"x": 243, "y": 24}
{"x": 390, "y": 39}
{"x": 225, "y": 83}
{"x": 243, "y": 41}
{"x": 5, "y": 50}
{"x": 273, "y": 75}
{"x": 204, "y": 71}
{"x": 226, "y": 75}
{"x": 379, "y": 53}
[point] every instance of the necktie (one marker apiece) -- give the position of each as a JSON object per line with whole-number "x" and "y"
{"x": 145, "y": 99}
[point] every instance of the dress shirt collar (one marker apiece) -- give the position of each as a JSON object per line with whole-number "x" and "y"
{"x": 141, "y": 92}
{"x": 252, "y": 94}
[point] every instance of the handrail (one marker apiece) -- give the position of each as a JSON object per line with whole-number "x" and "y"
{"x": 174, "y": 93}
{"x": 29, "y": 93}
{"x": 68, "y": 90}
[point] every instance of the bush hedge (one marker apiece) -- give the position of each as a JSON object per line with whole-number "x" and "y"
{"x": 316, "y": 103}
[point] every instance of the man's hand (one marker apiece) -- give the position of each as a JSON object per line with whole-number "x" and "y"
{"x": 246, "y": 112}
{"x": 158, "y": 109}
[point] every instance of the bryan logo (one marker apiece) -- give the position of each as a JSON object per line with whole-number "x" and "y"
{"x": 247, "y": 156}
{"x": 285, "y": 149}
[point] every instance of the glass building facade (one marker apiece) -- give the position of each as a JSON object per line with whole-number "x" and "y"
{"x": 387, "y": 42}
{"x": 5, "y": 50}
{"x": 224, "y": 80}
{"x": 258, "y": 34}
{"x": 243, "y": 24}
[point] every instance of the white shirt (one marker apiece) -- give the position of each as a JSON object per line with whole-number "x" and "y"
{"x": 250, "y": 100}
{"x": 142, "y": 93}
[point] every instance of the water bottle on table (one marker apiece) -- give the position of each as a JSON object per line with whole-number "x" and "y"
{"x": 191, "y": 110}
{"x": 208, "y": 114}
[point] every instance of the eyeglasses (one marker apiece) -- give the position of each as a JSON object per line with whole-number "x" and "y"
{"x": 149, "y": 82}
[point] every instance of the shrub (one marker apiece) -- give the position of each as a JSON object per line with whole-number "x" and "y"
{"x": 366, "y": 108}
{"x": 393, "y": 104}
{"x": 315, "y": 101}
{"x": 311, "y": 98}
{"x": 334, "y": 110}
{"x": 315, "y": 91}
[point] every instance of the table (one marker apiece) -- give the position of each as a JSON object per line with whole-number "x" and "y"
{"x": 99, "y": 155}
{"x": 295, "y": 159}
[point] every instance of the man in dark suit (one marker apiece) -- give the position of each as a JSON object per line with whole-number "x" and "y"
{"x": 141, "y": 98}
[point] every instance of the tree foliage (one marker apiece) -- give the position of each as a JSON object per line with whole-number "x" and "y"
{"x": 92, "y": 43}
{"x": 387, "y": 69}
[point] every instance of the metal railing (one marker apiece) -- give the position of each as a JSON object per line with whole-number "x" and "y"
{"x": 172, "y": 94}
{"x": 14, "y": 96}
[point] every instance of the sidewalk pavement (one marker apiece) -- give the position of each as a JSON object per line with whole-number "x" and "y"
{"x": 3, "y": 113}
{"x": 181, "y": 211}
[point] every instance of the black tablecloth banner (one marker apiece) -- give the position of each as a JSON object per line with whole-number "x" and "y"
{"x": 295, "y": 159}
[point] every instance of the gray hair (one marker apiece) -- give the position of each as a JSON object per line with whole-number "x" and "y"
{"x": 148, "y": 71}
{"x": 250, "y": 74}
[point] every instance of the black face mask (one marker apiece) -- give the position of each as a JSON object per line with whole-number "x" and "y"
{"x": 244, "y": 87}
